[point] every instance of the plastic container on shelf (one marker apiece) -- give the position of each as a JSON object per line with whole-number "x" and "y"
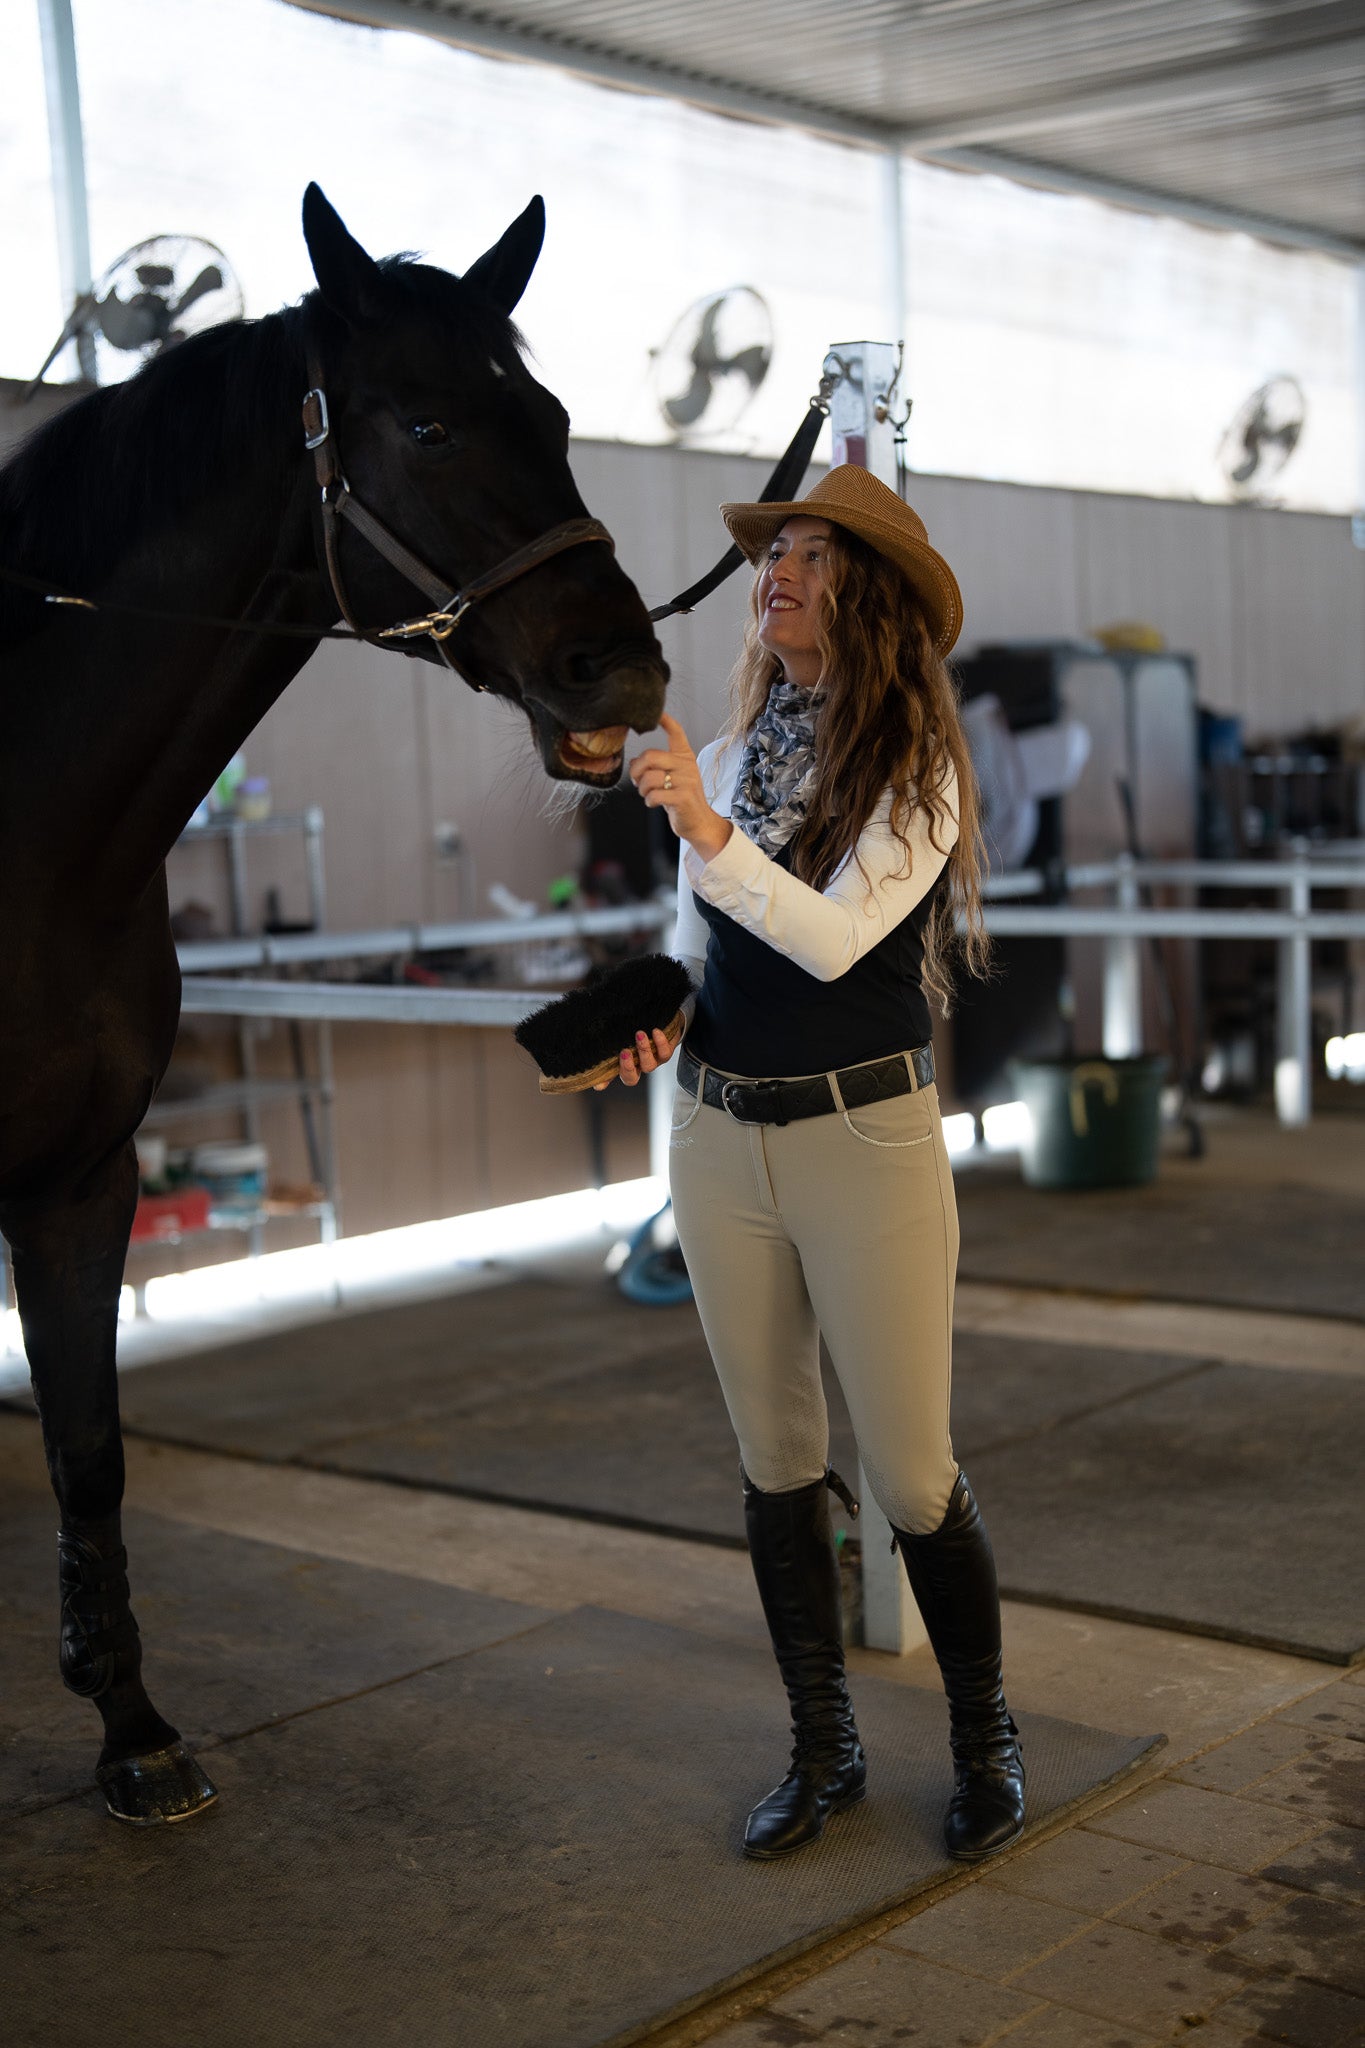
{"x": 253, "y": 799}
{"x": 151, "y": 1162}
{"x": 234, "y": 1174}
{"x": 165, "y": 1219}
{"x": 1094, "y": 1123}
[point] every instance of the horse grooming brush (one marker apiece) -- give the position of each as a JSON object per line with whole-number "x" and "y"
{"x": 577, "y": 1041}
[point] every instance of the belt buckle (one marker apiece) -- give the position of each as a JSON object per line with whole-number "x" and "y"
{"x": 749, "y": 1122}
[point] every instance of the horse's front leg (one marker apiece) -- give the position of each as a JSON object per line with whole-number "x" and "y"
{"x": 68, "y": 1269}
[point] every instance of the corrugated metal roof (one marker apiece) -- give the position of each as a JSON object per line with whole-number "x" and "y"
{"x": 1253, "y": 105}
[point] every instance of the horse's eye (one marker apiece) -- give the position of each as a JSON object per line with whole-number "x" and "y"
{"x": 428, "y": 433}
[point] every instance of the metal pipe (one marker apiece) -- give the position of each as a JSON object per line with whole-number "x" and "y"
{"x": 67, "y": 144}
{"x": 1171, "y": 921}
{"x": 293, "y": 947}
{"x": 1358, "y": 518}
{"x": 358, "y": 1002}
{"x": 317, "y": 878}
{"x": 1294, "y": 1047}
{"x": 1245, "y": 874}
{"x": 893, "y": 237}
{"x": 1122, "y": 1013}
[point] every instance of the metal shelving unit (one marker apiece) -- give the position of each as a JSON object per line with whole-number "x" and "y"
{"x": 312, "y": 1088}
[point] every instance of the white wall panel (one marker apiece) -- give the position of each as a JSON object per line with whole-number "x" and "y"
{"x": 1167, "y": 565}
{"x": 1012, "y": 550}
{"x": 1300, "y": 606}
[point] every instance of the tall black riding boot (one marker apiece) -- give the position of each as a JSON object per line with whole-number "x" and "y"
{"x": 796, "y": 1565}
{"x": 952, "y": 1575}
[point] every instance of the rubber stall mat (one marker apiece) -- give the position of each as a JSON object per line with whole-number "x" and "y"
{"x": 1227, "y": 1501}
{"x": 236, "y": 1634}
{"x": 1294, "y": 1250}
{"x": 533, "y": 1846}
{"x": 565, "y": 1397}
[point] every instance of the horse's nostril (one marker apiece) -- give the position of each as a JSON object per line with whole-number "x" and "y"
{"x": 587, "y": 665}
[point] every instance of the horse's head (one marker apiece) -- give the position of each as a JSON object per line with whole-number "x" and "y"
{"x": 449, "y": 440}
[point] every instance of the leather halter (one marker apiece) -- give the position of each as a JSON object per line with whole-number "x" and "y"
{"x": 450, "y": 601}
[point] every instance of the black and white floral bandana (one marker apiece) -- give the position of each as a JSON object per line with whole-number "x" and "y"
{"x": 777, "y": 774}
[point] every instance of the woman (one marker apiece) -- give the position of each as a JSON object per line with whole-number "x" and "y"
{"x": 829, "y": 859}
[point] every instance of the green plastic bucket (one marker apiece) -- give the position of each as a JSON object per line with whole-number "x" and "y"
{"x": 1096, "y": 1123}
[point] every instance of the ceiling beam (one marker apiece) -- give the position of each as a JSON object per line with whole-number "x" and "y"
{"x": 467, "y": 32}
{"x": 1198, "y": 85}
{"x": 604, "y": 67}
{"x": 1201, "y": 213}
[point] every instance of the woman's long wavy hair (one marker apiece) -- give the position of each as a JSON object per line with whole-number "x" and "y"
{"x": 887, "y": 715}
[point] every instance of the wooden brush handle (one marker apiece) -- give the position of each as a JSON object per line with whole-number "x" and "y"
{"x": 605, "y": 1070}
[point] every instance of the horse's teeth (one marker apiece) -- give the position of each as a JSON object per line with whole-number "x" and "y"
{"x": 609, "y": 740}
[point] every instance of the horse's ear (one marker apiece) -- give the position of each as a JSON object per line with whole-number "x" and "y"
{"x": 349, "y": 279}
{"x": 502, "y": 272}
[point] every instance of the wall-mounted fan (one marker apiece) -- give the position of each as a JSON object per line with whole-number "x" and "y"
{"x": 1262, "y": 437}
{"x": 707, "y": 372}
{"x": 150, "y": 298}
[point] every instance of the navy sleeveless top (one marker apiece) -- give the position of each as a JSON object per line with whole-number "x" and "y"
{"x": 760, "y": 1014}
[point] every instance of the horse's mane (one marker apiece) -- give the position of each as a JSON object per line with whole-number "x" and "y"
{"x": 130, "y": 458}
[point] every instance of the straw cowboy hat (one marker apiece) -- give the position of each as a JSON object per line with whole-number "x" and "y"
{"x": 853, "y": 497}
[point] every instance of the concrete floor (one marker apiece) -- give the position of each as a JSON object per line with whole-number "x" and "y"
{"x": 1223, "y": 1899}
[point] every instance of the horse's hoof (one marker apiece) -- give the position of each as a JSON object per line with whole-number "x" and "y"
{"x": 166, "y": 1784}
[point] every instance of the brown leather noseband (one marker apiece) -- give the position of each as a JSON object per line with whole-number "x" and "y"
{"x": 450, "y": 601}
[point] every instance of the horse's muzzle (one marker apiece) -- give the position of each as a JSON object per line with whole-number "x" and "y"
{"x": 582, "y": 736}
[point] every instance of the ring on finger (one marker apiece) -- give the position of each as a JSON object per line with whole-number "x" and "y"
{"x": 668, "y": 781}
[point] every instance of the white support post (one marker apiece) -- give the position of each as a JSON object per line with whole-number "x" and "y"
{"x": 893, "y": 238}
{"x": 1122, "y": 1019}
{"x": 1358, "y": 518}
{"x": 1294, "y": 1041}
{"x": 660, "y": 1084}
{"x": 891, "y": 1620}
{"x": 67, "y": 144}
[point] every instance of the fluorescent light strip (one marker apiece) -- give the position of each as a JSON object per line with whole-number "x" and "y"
{"x": 415, "y": 1253}
{"x": 353, "y": 1267}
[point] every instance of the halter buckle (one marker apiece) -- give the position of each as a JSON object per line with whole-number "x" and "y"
{"x": 436, "y": 625}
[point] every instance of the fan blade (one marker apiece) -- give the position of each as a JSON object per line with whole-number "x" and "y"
{"x": 689, "y": 406}
{"x": 210, "y": 279}
{"x": 133, "y": 323}
{"x": 751, "y": 363}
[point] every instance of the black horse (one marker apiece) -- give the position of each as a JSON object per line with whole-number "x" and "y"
{"x": 181, "y": 502}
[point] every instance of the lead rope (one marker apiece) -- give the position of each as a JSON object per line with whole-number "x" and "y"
{"x": 785, "y": 480}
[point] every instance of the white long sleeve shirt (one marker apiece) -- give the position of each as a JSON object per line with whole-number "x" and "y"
{"x": 825, "y": 931}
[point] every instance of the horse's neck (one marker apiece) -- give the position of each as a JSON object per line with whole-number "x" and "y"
{"x": 162, "y": 706}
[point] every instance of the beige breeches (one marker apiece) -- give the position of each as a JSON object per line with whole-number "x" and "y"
{"x": 844, "y": 1225}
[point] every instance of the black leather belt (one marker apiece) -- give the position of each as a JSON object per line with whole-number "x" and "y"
{"x": 785, "y": 1102}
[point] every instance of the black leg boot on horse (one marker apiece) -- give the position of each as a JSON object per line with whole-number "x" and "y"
{"x": 791, "y": 1544}
{"x": 69, "y": 1310}
{"x": 952, "y": 1576}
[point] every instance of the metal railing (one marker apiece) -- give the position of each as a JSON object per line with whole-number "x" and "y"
{"x": 1123, "y": 925}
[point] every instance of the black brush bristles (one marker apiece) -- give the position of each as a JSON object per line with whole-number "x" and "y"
{"x": 579, "y": 1038}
